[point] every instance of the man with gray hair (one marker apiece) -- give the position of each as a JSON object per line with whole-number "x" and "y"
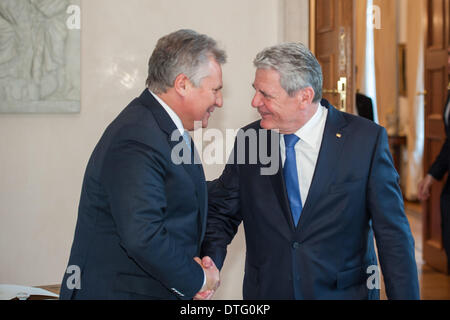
{"x": 142, "y": 217}
{"x": 310, "y": 227}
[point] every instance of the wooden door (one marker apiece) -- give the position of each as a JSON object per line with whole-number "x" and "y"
{"x": 333, "y": 44}
{"x": 436, "y": 43}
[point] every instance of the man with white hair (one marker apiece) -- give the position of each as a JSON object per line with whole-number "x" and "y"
{"x": 309, "y": 228}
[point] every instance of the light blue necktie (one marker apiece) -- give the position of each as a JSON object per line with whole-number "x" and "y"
{"x": 187, "y": 139}
{"x": 291, "y": 177}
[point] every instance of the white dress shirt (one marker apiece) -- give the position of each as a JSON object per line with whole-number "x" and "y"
{"x": 307, "y": 149}
{"x": 176, "y": 119}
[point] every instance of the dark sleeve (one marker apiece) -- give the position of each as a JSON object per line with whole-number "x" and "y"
{"x": 224, "y": 214}
{"x": 391, "y": 227}
{"x": 440, "y": 166}
{"x": 133, "y": 176}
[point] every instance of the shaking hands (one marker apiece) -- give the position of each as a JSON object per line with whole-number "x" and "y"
{"x": 212, "y": 278}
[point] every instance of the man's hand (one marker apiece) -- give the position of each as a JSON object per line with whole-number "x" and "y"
{"x": 424, "y": 187}
{"x": 212, "y": 278}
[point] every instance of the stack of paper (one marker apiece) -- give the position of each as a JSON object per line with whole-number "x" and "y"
{"x": 9, "y": 292}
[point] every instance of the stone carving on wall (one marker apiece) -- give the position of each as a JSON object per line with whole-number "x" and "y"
{"x": 39, "y": 57}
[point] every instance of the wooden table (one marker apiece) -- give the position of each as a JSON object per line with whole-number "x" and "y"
{"x": 52, "y": 288}
{"x": 55, "y": 288}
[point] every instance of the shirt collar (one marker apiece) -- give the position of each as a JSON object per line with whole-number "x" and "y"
{"x": 312, "y": 131}
{"x": 175, "y": 118}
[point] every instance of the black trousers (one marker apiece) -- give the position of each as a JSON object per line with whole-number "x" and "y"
{"x": 445, "y": 221}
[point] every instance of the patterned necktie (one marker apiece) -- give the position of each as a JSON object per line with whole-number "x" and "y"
{"x": 291, "y": 177}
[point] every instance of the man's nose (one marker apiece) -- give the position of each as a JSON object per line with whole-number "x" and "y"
{"x": 219, "y": 100}
{"x": 256, "y": 101}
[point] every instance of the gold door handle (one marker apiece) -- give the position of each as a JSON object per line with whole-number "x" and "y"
{"x": 341, "y": 91}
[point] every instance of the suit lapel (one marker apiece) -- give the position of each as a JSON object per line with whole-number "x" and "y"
{"x": 168, "y": 126}
{"x": 330, "y": 150}
{"x": 326, "y": 162}
{"x": 194, "y": 169}
{"x": 278, "y": 184}
{"x": 202, "y": 195}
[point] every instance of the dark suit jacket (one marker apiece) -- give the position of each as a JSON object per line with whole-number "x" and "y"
{"x": 354, "y": 193}
{"x": 442, "y": 163}
{"x": 364, "y": 106}
{"x": 141, "y": 217}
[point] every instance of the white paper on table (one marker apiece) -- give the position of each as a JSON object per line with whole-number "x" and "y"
{"x": 10, "y": 291}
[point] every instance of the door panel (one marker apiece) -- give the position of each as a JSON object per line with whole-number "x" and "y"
{"x": 334, "y": 49}
{"x": 325, "y": 20}
{"x": 436, "y": 43}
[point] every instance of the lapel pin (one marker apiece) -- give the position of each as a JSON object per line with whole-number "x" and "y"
{"x": 338, "y": 135}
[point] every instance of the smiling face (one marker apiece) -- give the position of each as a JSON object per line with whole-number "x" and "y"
{"x": 202, "y": 100}
{"x": 278, "y": 110}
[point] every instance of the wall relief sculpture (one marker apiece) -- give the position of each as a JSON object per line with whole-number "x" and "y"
{"x": 39, "y": 57}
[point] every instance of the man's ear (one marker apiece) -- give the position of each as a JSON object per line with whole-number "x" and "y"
{"x": 182, "y": 84}
{"x": 306, "y": 96}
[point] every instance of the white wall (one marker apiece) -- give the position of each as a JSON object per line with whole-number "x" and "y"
{"x": 43, "y": 157}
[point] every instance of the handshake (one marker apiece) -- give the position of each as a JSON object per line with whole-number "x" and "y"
{"x": 212, "y": 278}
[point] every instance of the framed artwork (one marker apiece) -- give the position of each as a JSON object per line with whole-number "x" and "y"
{"x": 39, "y": 56}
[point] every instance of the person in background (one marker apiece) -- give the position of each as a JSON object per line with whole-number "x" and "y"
{"x": 436, "y": 172}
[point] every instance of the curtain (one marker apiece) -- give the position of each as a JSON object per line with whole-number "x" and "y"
{"x": 377, "y": 38}
{"x": 416, "y": 102}
{"x": 385, "y": 44}
{"x": 365, "y": 55}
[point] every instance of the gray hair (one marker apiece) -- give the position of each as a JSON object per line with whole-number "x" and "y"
{"x": 181, "y": 52}
{"x": 297, "y": 66}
